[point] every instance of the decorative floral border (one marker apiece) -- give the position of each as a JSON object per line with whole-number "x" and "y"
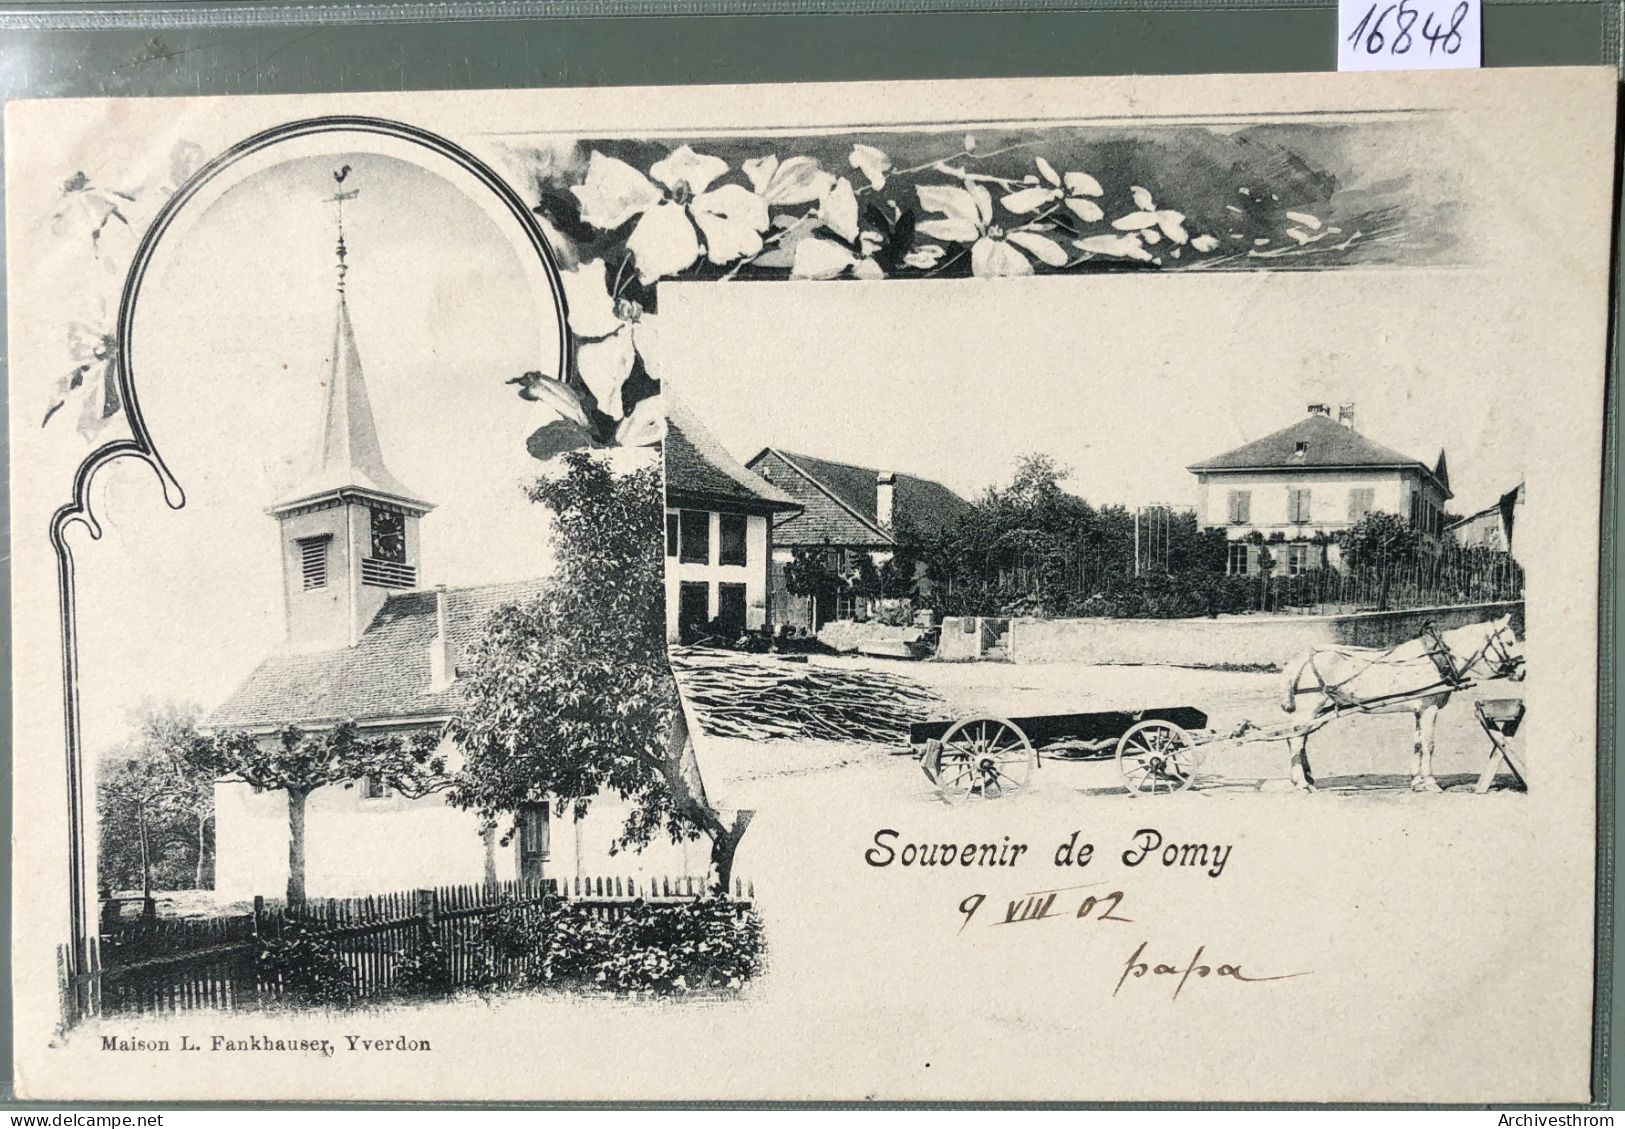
{"x": 624, "y": 215}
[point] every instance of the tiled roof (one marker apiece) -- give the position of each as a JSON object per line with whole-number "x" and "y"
{"x": 1326, "y": 443}
{"x": 383, "y": 677}
{"x": 699, "y": 471}
{"x": 838, "y": 501}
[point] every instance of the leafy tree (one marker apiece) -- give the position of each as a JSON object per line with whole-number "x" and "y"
{"x": 812, "y": 572}
{"x": 570, "y": 696}
{"x": 298, "y": 763}
{"x": 1379, "y": 543}
{"x": 155, "y": 807}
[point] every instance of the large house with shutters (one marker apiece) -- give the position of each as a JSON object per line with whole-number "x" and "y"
{"x": 367, "y": 641}
{"x": 719, "y": 534}
{"x": 1302, "y": 484}
{"x": 845, "y": 511}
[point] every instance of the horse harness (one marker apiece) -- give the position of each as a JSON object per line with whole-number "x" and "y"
{"x": 1452, "y": 676}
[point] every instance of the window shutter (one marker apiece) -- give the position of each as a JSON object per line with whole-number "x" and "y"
{"x": 1240, "y": 507}
{"x": 313, "y": 562}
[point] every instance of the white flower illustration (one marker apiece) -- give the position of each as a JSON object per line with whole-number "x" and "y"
{"x": 1074, "y": 190}
{"x": 674, "y": 213}
{"x": 1148, "y": 217}
{"x": 994, "y": 251}
{"x": 610, "y": 333}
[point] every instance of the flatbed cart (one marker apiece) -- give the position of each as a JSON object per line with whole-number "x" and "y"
{"x": 988, "y": 757}
{"x": 1158, "y": 751}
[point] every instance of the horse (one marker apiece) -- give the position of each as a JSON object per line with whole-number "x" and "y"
{"x": 1415, "y": 677}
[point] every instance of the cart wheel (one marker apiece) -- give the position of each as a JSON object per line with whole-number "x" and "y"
{"x": 986, "y": 757}
{"x": 1156, "y": 756}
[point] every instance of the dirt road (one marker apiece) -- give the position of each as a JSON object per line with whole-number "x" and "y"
{"x": 1356, "y": 755}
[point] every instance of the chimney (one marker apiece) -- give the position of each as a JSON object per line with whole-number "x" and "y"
{"x": 885, "y": 485}
{"x": 442, "y": 670}
{"x": 1345, "y": 415}
{"x": 1321, "y": 410}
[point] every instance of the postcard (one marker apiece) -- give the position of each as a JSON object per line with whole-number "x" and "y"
{"x": 959, "y": 591}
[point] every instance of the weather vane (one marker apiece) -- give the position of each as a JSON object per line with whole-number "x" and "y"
{"x": 337, "y": 199}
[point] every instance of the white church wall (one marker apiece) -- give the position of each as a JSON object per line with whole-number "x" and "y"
{"x": 356, "y": 847}
{"x": 353, "y": 846}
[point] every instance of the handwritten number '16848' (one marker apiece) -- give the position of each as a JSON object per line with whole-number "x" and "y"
{"x": 1368, "y": 34}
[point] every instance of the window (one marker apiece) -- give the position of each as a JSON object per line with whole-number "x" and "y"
{"x": 313, "y": 561}
{"x": 732, "y": 538}
{"x": 389, "y": 536}
{"x": 1299, "y": 559}
{"x": 1239, "y": 558}
{"x": 373, "y": 789}
{"x": 694, "y": 537}
{"x": 1300, "y": 449}
{"x": 671, "y": 535}
{"x": 1361, "y": 502}
{"x": 1241, "y": 507}
{"x": 1297, "y": 505}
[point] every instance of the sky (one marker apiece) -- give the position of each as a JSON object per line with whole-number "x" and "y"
{"x": 233, "y": 339}
{"x": 1125, "y": 378}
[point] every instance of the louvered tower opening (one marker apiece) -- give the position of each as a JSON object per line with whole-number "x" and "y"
{"x": 313, "y": 561}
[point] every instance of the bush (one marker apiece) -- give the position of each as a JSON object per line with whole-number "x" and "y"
{"x": 701, "y": 946}
{"x": 426, "y": 970}
{"x": 1178, "y": 596}
{"x": 708, "y": 945}
{"x": 694, "y": 947}
{"x": 308, "y": 966}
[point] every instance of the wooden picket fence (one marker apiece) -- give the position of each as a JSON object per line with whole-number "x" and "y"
{"x": 188, "y": 964}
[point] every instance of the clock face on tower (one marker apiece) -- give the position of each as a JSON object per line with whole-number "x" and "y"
{"x": 389, "y": 536}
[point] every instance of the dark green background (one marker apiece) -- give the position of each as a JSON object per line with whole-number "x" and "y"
{"x": 110, "y": 50}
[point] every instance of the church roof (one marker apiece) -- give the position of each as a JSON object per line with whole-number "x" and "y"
{"x": 384, "y": 678}
{"x": 348, "y": 456}
{"x": 839, "y": 502}
{"x": 702, "y": 475}
{"x": 1318, "y": 441}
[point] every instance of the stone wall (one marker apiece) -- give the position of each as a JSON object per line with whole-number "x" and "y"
{"x": 1240, "y": 639}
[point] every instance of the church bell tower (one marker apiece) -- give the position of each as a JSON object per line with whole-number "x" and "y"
{"x": 349, "y": 530}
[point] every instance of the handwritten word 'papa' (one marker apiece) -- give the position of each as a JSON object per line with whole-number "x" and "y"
{"x": 1145, "y": 846}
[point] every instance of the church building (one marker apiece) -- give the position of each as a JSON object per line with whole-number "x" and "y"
{"x": 368, "y": 641}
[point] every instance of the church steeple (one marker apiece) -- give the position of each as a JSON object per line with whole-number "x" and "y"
{"x": 349, "y": 528}
{"x": 347, "y": 455}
